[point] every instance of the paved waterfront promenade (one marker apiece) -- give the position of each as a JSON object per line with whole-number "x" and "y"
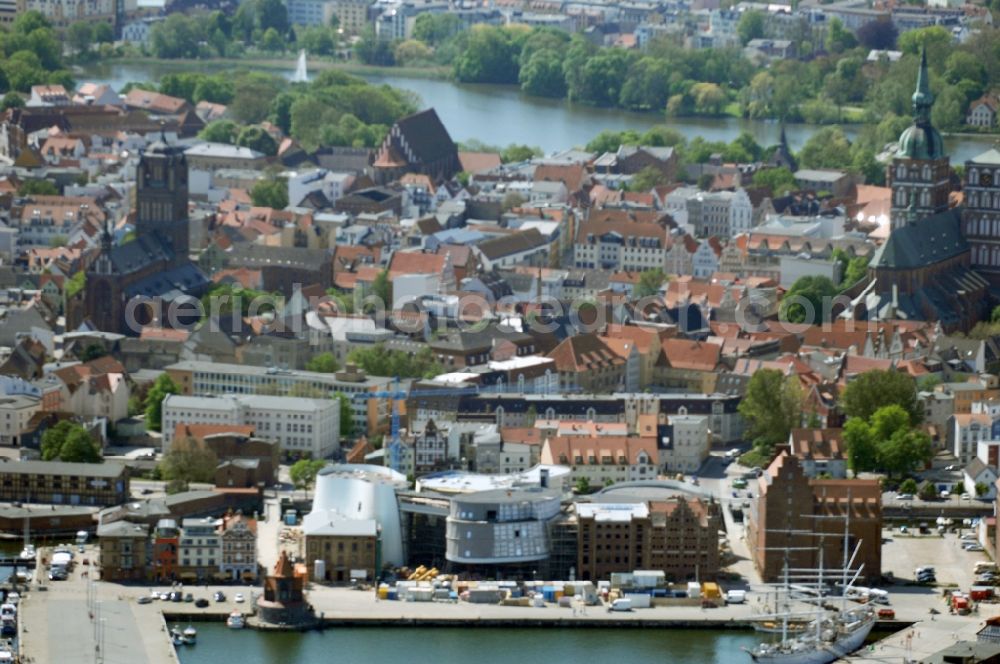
{"x": 56, "y": 625}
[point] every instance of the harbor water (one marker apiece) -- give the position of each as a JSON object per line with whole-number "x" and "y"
{"x": 440, "y": 645}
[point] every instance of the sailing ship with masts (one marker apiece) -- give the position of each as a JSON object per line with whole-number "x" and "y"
{"x": 812, "y": 628}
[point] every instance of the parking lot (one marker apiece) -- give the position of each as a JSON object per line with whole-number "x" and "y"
{"x": 953, "y": 565}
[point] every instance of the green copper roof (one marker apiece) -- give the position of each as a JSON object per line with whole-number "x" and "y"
{"x": 921, "y": 140}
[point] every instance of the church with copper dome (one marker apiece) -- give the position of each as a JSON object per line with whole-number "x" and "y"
{"x": 925, "y": 270}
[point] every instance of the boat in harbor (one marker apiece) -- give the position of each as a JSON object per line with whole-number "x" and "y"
{"x": 181, "y": 638}
{"x": 833, "y": 638}
{"x": 190, "y": 633}
{"x": 236, "y": 620}
{"x": 28, "y": 552}
{"x": 812, "y": 629}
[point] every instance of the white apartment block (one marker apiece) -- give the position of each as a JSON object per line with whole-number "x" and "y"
{"x": 15, "y": 413}
{"x": 722, "y": 214}
{"x": 197, "y": 377}
{"x": 688, "y": 444}
{"x": 630, "y": 246}
{"x": 200, "y": 546}
{"x": 301, "y": 426}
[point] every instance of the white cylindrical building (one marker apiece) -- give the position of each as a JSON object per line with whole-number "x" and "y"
{"x": 360, "y": 492}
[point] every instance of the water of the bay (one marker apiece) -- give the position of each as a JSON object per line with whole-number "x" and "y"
{"x": 413, "y": 645}
{"x": 500, "y": 115}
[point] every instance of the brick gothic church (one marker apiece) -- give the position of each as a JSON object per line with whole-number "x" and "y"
{"x": 154, "y": 266}
{"x": 928, "y": 267}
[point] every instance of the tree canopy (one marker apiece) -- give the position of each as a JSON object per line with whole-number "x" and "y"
{"x": 303, "y": 472}
{"x": 188, "y": 461}
{"x": 163, "y": 386}
{"x": 808, "y": 300}
{"x": 772, "y": 407}
{"x": 70, "y": 442}
{"x": 380, "y": 361}
{"x": 875, "y": 389}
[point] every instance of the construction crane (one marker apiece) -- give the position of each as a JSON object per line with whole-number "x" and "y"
{"x": 396, "y": 394}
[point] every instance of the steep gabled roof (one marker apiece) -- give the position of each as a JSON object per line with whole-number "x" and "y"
{"x": 426, "y": 136}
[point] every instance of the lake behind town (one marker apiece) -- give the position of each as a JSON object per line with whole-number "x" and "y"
{"x": 500, "y": 115}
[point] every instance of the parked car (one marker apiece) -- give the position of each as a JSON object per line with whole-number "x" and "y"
{"x": 238, "y": 598}
{"x": 904, "y": 496}
{"x": 189, "y": 597}
{"x": 145, "y": 599}
{"x": 176, "y": 596}
{"x": 219, "y": 596}
{"x": 951, "y": 467}
{"x": 967, "y": 536}
{"x": 888, "y": 614}
{"x": 201, "y": 602}
{"x": 973, "y": 546}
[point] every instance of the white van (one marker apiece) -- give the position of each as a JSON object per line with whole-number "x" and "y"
{"x": 621, "y": 604}
{"x": 736, "y": 596}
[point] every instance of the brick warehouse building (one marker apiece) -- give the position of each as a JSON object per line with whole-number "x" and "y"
{"x": 793, "y": 511}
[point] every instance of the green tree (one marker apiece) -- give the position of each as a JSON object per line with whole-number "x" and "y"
{"x": 542, "y": 75}
{"x": 412, "y": 52}
{"x": 382, "y": 288}
{"x": 256, "y": 138}
{"x": 346, "y": 416}
{"x": 904, "y": 452}
{"x": 928, "y": 491}
{"x": 374, "y": 51}
{"x": 303, "y": 473}
{"x": 93, "y": 352}
{"x": 839, "y": 38}
{"x": 779, "y": 181}
{"x": 909, "y": 485}
{"x": 772, "y": 406}
{"x": 515, "y": 153}
{"x": 162, "y": 386}
{"x": 272, "y": 193}
{"x": 70, "y": 442}
{"x": 862, "y": 450}
{"x": 272, "y": 41}
{"x": 647, "y": 178}
{"x": 808, "y": 300}
{"x": 432, "y": 28}
{"x": 80, "y": 35}
{"x": 650, "y": 282}
{"x": 490, "y": 56}
{"x": 380, "y": 361}
{"x": 827, "y": 148}
{"x": 317, "y": 39}
{"x": 219, "y": 131}
{"x": 11, "y": 100}
{"x": 981, "y": 489}
{"x": 582, "y": 485}
{"x": 103, "y": 33}
{"x": 936, "y": 39}
{"x": 872, "y": 390}
{"x": 323, "y": 363}
{"x": 751, "y": 26}
{"x": 188, "y": 461}
{"x": 37, "y": 188}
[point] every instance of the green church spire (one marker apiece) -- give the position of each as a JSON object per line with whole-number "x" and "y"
{"x": 923, "y": 98}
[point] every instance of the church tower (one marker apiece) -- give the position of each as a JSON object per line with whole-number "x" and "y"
{"x": 103, "y": 293}
{"x": 162, "y": 196}
{"x": 920, "y": 170}
{"x": 981, "y": 214}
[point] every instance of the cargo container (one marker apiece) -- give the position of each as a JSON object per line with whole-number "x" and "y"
{"x": 649, "y": 578}
{"x": 960, "y": 603}
{"x": 979, "y": 593}
{"x": 694, "y": 590}
{"x": 710, "y": 590}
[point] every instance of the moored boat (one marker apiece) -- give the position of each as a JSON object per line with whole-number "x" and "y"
{"x": 235, "y": 620}
{"x": 190, "y": 633}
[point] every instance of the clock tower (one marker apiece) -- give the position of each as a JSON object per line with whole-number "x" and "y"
{"x": 981, "y": 213}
